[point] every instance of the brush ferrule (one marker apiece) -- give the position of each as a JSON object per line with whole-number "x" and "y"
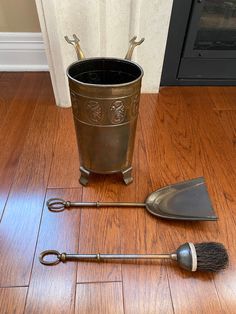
{"x": 194, "y": 256}
{"x": 173, "y": 256}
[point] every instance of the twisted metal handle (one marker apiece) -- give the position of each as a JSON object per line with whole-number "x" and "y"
{"x": 57, "y": 204}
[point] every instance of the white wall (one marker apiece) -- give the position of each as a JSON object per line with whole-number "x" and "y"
{"x": 104, "y": 28}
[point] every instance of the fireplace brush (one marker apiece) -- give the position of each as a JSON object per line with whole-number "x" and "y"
{"x": 205, "y": 256}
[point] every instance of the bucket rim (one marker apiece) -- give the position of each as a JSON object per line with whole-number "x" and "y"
{"x": 105, "y": 85}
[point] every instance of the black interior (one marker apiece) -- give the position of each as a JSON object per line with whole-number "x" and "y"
{"x": 104, "y": 71}
{"x": 201, "y": 44}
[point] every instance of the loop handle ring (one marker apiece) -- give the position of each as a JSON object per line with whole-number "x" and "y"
{"x": 56, "y": 204}
{"x": 55, "y": 261}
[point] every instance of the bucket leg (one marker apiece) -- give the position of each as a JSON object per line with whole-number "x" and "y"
{"x": 84, "y": 178}
{"x": 127, "y": 177}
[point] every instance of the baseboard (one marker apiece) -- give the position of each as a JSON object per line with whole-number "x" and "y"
{"x": 22, "y": 52}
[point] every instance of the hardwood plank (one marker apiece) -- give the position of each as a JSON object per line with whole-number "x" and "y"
{"x": 227, "y": 119}
{"x": 190, "y": 161}
{"x": 146, "y": 287}
{"x": 99, "y": 298}
{"x": 182, "y": 135}
{"x": 9, "y": 85}
{"x": 165, "y": 114}
{"x": 224, "y": 281}
{"x": 213, "y": 138}
{"x": 20, "y": 223}
{"x": 15, "y": 128}
{"x": 65, "y": 167}
{"x": 12, "y": 300}
{"x": 223, "y": 101}
{"x": 52, "y": 289}
{"x": 218, "y": 157}
{"x": 223, "y": 97}
{"x": 99, "y": 231}
{"x": 185, "y": 144}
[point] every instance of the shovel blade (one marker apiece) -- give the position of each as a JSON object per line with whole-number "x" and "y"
{"x": 188, "y": 200}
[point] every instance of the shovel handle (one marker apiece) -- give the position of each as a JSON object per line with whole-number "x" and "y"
{"x": 59, "y": 205}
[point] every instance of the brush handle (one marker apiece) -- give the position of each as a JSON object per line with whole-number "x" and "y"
{"x": 206, "y": 256}
{"x": 56, "y": 257}
{"x": 58, "y": 204}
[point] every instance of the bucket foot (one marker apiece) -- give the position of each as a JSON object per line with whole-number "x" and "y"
{"x": 127, "y": 177}
{"x": 84, "y": 178}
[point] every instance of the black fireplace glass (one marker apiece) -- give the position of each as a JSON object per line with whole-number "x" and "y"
{"x": 201, "y": 44}
{"x": 217, "y": 26}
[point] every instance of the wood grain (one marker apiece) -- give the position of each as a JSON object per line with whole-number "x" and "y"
{"x": 223, "y": 102}
{"x": 65, "y": 166}
{"x": 183, "y": 132}
{"x": 219, "y": 160}
{"x": 213, "y": 138}
{"x": 52, "y": 289}
{"x": 15, "y": 127}
{"x": 227, "y": 120}
{"x": 189, "y": 162}
{"x": 146, "y": 286}
{"x": 12, "y": 300}
{"x": 20, "y": 222}
{"x": 96, "y": 298}
{"x": 100, "y": 231}
{"x": 177, "y": 146}
{"x": 222, "y": 97}
{"x": 9, "y": 85}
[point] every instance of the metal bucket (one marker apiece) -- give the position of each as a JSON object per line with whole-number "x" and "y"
{"x": 105, "y": 96}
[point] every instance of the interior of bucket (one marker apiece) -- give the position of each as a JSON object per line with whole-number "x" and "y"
{"x": 105, "y": 71}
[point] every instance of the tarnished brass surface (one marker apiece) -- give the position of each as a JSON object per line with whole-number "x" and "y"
{"x": 105, "y": 127}
{"x": 56, "y": 257}
{"x": 188, "y": 200}
{"x": 105, "y": 96}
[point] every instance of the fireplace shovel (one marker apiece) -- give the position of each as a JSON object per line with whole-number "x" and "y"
{"x": 188, "y": 200}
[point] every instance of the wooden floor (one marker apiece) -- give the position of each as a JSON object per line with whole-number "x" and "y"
{"x": 183, "y": 132}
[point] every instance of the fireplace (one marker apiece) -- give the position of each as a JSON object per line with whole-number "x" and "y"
{"x": 201, "y": 44}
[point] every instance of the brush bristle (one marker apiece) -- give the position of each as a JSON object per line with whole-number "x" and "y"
{"x": 211, "y": 256}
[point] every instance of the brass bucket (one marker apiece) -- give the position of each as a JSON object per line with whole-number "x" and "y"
{"x": 105, "y": 96}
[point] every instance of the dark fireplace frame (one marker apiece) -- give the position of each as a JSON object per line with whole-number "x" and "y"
{"x": 180, "y": 56}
